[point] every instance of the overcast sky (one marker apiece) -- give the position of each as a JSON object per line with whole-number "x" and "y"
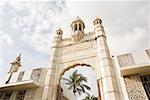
{"x": 28, "y": 27}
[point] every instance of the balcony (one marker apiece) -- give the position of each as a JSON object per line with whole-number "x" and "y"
{"x": 134, "y": 63}
{"x": 22, "y": 80}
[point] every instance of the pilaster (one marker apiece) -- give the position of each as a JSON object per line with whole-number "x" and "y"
{"x": 50, "y": 86}
{"x": 110, "y": 90}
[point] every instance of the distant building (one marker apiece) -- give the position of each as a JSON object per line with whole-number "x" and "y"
{"x": 122, "y": 77}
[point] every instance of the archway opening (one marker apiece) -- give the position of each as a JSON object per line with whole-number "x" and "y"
{"x": 81, "y": 69}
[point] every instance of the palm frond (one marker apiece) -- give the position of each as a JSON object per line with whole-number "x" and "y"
{"x": 90, "y": 98}
{"x": 66, "y": 79}
{"x": 74, "y": 73}
{"x": 74, "y": 89}
{"x": 75, "y": 84}
{"x": 68, "y": 83}
{"x": 82, "y": 78}
{"x": 70, "y": 87}
{"x": 87, "y": 87}
{"x": 79, "y": 91}
{"x": 82, "y": 88}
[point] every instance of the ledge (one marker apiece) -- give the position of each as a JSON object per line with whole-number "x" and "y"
{"x": 135, "y": 69}
{"x": 18, "y": 85}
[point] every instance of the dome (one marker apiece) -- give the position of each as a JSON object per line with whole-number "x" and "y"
{"x": 78, "y": 19}
{"x": 77, "y": 28}
{"x": 97, "y": 18}
{"x": 59, "y": 31}
{"x": 97, "y": 21}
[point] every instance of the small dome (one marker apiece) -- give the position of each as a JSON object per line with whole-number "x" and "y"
{"x": 97, "y": 18}
{"x": 59, "y": 31}
{"x": 97, "y": 21}
{"x": 78, "y": 19}
{"x": 77, "y": 28}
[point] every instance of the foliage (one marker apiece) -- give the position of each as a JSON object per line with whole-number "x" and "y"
{"x": 90, "y": 98}
{"x": 75, "y": 83}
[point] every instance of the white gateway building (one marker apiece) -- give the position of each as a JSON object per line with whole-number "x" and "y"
{"x": 123, "y": 77}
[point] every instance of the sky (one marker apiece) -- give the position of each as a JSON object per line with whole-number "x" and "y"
{"x": 28, "y": 27}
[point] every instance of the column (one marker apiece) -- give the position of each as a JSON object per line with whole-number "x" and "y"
{"x": 105, "y": 66}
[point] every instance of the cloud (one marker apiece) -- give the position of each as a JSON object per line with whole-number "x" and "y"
{"x": 39, "y": 42}
{"x": 131, "y": 41}
{"x": 27, "y": 27}
{"x": 34, "y": 21}
{"x": 5, "y": 40}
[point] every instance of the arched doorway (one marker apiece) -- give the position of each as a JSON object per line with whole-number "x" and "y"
{"x": 87, "y": 71}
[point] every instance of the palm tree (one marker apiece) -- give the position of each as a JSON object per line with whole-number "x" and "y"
{"x": 90, "y": 98}
{"x": 75, "y": 83}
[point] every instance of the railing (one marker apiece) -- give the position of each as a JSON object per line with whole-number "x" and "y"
{"x": 137, "y": 62}
{"x": 126, "y": 60}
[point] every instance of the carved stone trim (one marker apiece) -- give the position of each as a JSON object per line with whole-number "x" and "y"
{"x": 135, "y": 88}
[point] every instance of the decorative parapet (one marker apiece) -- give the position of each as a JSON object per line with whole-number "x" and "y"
{"x": 134, "y": 63}
{"x": 24, "y": 78}
{"x": 36, "y": 74}
{"x": 126, "y": 60}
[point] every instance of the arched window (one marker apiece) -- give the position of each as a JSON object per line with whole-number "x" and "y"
{"x": 59, "y": 33}
{"x": 98, "y": 22}
{"x": 75, "y": 27}
{"x": 80, "y": 27}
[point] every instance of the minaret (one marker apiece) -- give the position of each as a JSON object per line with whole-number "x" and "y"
{"x": 14, "y": 67}
{"x": 105, "y": 66}
{"x": 50, "y": 86}
{"x": 58, "y": 37}
{"x": 77, "y": 29}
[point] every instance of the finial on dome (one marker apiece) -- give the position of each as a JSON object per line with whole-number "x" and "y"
{"x": 78, "y": 18}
